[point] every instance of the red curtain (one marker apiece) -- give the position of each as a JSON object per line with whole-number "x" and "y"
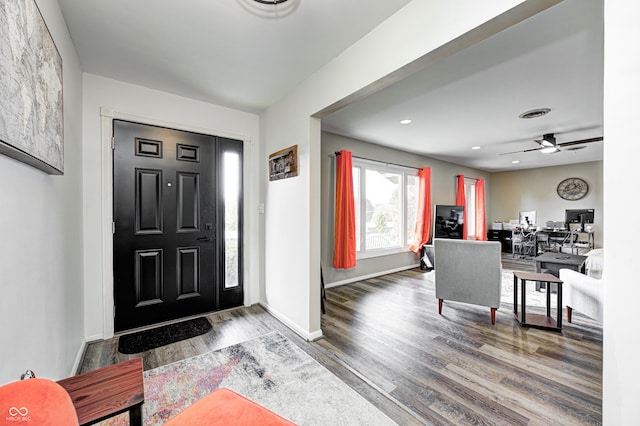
{"x": 422, "y": 231}
{"x": 481, "y": 221}
{"x": 462, "y": 201}
{"x": 344, "y": 232}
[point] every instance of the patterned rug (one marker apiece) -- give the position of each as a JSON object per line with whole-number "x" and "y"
{"x": 534, "y": 298}
{"x": 269, "y": 370}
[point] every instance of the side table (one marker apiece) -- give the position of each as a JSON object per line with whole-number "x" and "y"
{"x": 106, "y": 392}
{"x": 537, "y": 320}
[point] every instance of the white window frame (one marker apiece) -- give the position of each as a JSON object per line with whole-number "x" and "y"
{"x": 470, "y": 199}
{"x": 404, "y": 172}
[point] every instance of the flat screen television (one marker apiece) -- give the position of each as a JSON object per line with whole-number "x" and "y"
{"x": 448, "y": 222}
{"x": 580, "y": 216}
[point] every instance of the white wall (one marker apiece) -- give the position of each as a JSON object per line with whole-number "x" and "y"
{"x": 41, "y": 318}
{"x": 151, "y": 106}
{"x": 292, "y": 220}
{"x": 621, "y": 154}
{"x": 535, "y": 189}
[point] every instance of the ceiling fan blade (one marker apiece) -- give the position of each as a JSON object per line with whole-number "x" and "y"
{"x": 559, "y": 146}
{"x": 518, "y": 152}
{"x": 581, "y": 141}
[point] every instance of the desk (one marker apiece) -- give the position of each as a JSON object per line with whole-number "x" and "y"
{"x": 568, "y": 238}
{"x": 105, "y": 392}
{"x": 537, "y": 320}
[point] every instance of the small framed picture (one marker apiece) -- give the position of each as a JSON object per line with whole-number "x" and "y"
{"x": 284, "y": 163}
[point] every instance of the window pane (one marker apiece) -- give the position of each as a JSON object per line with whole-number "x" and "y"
{"x": 383, "y": 209}
{"x": 470, "y": 198}
{"x": 231, "y": 176}
{"x": 356, "y": 202}
{"x": 412, "y": 206}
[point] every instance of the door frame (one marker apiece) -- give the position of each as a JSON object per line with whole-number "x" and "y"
{"x": 106, "y": 135}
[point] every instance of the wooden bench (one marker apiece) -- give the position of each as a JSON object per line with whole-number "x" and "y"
{"x": 106, "y": 392}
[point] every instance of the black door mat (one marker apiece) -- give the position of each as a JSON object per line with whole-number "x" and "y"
{"x": 154, "y": 338}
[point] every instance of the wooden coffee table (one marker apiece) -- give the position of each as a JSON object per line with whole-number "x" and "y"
{"x": 536, "y": 320}
{"x": 106, "y": 392}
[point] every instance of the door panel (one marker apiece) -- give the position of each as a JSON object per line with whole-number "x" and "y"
{"x": 167, "y": 211}
{"x": 188, "y": 272}
{"x": 148, "y": 277}
{"x": 148, "y": 201}
{"x": 188, "y": 202}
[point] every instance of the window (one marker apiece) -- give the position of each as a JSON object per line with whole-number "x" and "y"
{"x": 232, "y": 220}
{"x": 385, "y": 207}
{"x": 470, "y": 198}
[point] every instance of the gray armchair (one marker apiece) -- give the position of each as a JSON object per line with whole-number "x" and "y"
{"x": 468, "y": 272}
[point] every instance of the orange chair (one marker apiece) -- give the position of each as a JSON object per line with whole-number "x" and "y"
{"x": 224, "y": 407}
{"x": 36, "y": 401}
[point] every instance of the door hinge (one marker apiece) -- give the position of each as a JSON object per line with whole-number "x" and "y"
{"x": 113, "y": 142}
{"x": 113, "y": 227}
{"x": 114, "y": 311}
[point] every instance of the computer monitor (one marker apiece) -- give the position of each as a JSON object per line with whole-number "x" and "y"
{"x": 580, "y": 216}
{"x": 448, "y": 222}
{"x": 528, "y": 219}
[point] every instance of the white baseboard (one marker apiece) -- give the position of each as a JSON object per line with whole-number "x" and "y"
{"x": 365, "y": 277}
{"x": 78, "y": 361}
{"x": 314, "y": 335}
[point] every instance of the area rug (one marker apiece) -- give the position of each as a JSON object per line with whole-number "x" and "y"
{"x": 534, "y": 298}
{"x": 270, "y": 370}
{"x": 141, "y": 341}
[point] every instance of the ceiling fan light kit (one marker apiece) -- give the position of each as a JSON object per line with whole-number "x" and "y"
{"x": 548, "y": 140}
{"x": 548, "y": 145}
{"x": 549, "y": 150}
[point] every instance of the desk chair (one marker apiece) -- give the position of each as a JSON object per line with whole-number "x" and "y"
{"x": 542, "y": 242}
{"x": 524, "y": 244}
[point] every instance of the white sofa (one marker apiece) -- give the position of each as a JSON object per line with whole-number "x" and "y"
{"x": 584, "y": 293}
{"x": 468, "y": 272}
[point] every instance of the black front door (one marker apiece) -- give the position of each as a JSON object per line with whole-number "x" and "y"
{"x": 169, "y": 225}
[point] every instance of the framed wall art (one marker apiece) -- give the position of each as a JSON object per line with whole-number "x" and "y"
{"x": 31, "y": 114}
{"x": 284, "y": 163}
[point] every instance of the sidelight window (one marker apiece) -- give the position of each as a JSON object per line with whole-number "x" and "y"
{"x": 231, "y": 199}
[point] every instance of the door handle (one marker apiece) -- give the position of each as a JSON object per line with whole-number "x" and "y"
{"x": 204, "y": 239}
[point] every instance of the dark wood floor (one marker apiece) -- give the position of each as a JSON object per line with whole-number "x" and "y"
{"x": 457, "y": 368}
{"x": 384, "y": 338}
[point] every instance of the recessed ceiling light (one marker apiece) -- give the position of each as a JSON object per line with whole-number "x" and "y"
{"x": 405, "y": 121}
{"x": 475, "y": 147}
{"x": 535, "y": 113}
{"x": 515, "y": 161}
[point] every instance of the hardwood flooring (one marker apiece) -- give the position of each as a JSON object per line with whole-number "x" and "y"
{"x": 384, "y": 338}
{"x": 457, "y": 368}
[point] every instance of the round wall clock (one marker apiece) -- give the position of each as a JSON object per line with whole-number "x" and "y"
{"x": 573, "y": 188}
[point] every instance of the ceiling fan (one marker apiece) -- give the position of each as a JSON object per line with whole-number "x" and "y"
{"x": 549, "y": 145}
